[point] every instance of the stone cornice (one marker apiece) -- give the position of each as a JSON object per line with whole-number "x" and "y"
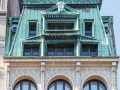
{"x": 56, "y": 59}
{"x": 61, "y": 64}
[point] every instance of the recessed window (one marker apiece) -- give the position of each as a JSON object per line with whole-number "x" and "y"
{"x": 25, "y": 85}
{"x": 60, "y": 49}
{"x": 32, "y": 29}
{"x": 88, "y": 28}
{"x": 31, "y": 50}
{"x": 94, "y": 85}
{"x": 89, "y": 49}
{"x": 60, "y": 26}
{"x": 59, "y": 85}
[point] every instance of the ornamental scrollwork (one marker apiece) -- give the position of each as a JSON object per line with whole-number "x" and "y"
{"x": 16, "y": 73}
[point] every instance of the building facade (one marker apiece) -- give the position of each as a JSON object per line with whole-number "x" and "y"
{"x": 59, "y": 45}
{"x": 3, "y": 19}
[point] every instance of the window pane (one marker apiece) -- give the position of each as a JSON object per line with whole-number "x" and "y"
{"x": 101, "y": 87}
{"x": 85, "y": 52}
{"x": 35, "y": 52}
{"x": 86, "y": 87}
{"x": 51, "y": 52}
{"x": 52, "y": 87}
{"x": 32, "y": 29}
{"x": 67, "y": 87}
{"x": 93, "y": 85}
{"x": 59, "y": 85}
{"x": 88, "y": 28}
{"x": 60, "y": 52}
{"x": 25, "y": 86}
{"x": 69, "y": 52}
{"x": 33, "y": 87}
{"x": 27, "y": 52}
{"x": 88, "y": 32}
{"x": 17, "y": 87}
{"x": 93, "y": 53}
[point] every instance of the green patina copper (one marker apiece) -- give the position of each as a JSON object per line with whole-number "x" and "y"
{"x": 88, "y": 11}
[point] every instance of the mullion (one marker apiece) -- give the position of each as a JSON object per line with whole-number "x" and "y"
{"x": 21, "y": 85}
{"x": 98, "y": 85}
{"x": 29, "y": 86}
{"x": 31, "y": 54}
{"x": 90, "y": 85}
{"x": 63, "y": 85}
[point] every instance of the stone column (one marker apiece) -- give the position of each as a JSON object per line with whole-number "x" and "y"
{"x": 42, "y": 75}
{"x": 77, "y": 77}
{"x": 113, "y": 75}
{"x": 7, "y": 77}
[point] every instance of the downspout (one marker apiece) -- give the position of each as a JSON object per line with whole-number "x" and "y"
{"x": 17, "y": 31}
{"x": 104, "y": 32}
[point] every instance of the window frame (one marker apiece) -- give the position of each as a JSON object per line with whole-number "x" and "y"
{"x": 63, "y": 81}
{"x": 32, "y": 21}
{"x": 89, "y": 48}
{"x": 30, "y": 49}
{"x": 98, "y": 84}
{"x": 91, "y": 21}
{"x": 65, "y": 49}
{"x": 21, "y": 84}
{"x": 74, "y": 21}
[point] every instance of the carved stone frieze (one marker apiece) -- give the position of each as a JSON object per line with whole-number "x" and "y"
{"x": 51, "y": 73}
{"x": 16, "y": 73}
{"x": 104, "y": 73}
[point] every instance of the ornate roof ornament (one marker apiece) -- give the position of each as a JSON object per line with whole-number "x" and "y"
{"x": 60, "y": 5}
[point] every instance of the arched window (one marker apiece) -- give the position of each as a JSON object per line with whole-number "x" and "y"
{"x": 60, "y": 85}
{"x": 25, "y": 85}
{"x": 94, "y": 85}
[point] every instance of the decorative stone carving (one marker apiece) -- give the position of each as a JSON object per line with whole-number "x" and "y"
{"x": 104, "y": 73}
{"x": 15, "y": 73}
{"x": 42, "y": 75}
{"x": 50, "y": 73}
{"x": 78, "y": 69}
{"x": 60, "y": 5}
{"x": 113, "y": 69}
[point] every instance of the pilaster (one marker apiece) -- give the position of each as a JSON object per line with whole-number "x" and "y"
{"x": 113, "y": 69}
{"x": 77, "y": 76}
{"x": 42, "y": 75}
{"x": 7, "y": 76}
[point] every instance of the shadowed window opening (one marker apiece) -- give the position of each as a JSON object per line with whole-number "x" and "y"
{"x": 89, "y": 49}
{"x": 60, "y": 49}
{"x": 60, "y": 85}
{"x": 60, "y": 26}
{"x": 88, "y": 28}
{"x": 25, "y": 85}
{"x": 31, "y": 50}
{"x": 94, "y": 85}
{"x": 32, "y": 29}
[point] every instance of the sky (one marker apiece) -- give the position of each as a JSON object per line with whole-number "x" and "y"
{"x": 112, "y": 8}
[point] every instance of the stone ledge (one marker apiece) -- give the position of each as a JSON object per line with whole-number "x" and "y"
{"x": 56, "y": 58}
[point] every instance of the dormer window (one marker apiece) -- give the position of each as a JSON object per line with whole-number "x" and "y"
{"x": 31, "y": 50}
{"x": 88, "y": 28}
{"x": 32, "y": 29}
{"x": 60, "y": 49}
{"x": 89, "y": 49}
